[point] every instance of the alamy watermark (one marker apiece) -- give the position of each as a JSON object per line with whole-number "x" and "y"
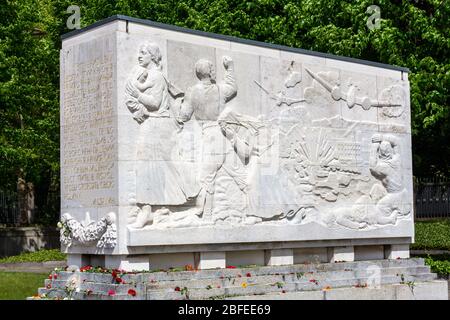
{"x": 374, "y": 21}
{"x": 73, "y": 21}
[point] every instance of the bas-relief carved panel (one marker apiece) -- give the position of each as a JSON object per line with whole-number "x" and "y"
{"x": 249, "y": 140}
{"x": 211, "y": 138}
{"x": 88, "y": 131}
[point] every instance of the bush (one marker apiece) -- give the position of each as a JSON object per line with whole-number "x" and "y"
{"x": 38, "y": 256}
{"x": 439, "y": 264}
{"x": 432, "y": 235}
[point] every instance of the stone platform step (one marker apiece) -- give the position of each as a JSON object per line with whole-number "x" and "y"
{"x": 431, "y": 290}
{"x": 222, "y": 281}
{"x": 298, "y": 277}
{"x": 239, "y": 287}
{"x": 241, "y": 282}
{"x": 254, "y": 270}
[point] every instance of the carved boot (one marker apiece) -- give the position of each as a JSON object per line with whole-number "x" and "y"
{"x": 144, "y": 216}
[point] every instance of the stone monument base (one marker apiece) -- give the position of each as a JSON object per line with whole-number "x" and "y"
{"x": 203, "y": 257}
{"x": 397, "y": 279}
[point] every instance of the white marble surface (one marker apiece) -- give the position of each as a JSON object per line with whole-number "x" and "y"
{"x": 197, "y": 141}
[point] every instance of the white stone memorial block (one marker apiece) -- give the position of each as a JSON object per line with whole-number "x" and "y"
{"x": 180, "y": 141}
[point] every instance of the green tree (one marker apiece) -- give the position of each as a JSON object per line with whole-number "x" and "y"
{"x": 29, "y": 94}
{"x": 413, "y": 34}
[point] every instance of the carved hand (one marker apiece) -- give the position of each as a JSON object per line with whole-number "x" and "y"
{"x": 227, "y": 62}
{"x": 256, "y": 151}
{"x": 280, "y": 98}
{"x": 229, "y": 133}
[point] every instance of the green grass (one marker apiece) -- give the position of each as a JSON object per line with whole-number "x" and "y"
{"x": 432, "y": 235}
{"x": 38, "y": 256}
{"x": 20, "y": 285}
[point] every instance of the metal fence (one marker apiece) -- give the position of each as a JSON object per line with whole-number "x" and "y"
{"x": 9, "y": 208}
{"x": 47, "y": 213}
{"x": 432, "y": 198}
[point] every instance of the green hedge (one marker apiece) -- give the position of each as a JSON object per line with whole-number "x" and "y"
{"x": 38, "y": 256}
{"x": 439, "y": 264}
{"x": 432, "y": 235}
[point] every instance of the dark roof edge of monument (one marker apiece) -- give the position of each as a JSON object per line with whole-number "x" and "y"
{"x": 233, "y": 39}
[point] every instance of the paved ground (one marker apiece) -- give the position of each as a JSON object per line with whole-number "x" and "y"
{"x": 32, "y": 267}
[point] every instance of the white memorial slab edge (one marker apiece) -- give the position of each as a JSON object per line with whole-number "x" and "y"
{"x": 304, "y": 148}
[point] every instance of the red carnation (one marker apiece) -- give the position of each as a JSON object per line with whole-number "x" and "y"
{"x": 85, "y": 268}
{"x": 55, "y": 276}
{"x": 111, "y": 292}
{"x": 50, "y": 277}
{"x": 177, "y": 289}
{"x": 248, "y": 274}
{"x": 119, "y": 280}
{"x": 132, "y": 292}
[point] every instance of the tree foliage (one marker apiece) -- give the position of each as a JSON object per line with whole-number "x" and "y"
{"x": 413, "y": 34}
{"x": 29, "y": 93}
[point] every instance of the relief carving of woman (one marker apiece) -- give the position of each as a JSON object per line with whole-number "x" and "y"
{"x": 147, "y": 97}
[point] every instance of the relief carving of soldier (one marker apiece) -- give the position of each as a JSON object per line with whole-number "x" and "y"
{"x": 385, "y": 165}
{"x": 385, "y": 203}
{"x": 205, "y": 101}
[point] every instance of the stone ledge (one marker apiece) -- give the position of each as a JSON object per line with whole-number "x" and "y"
{"x": 256, "y": 233}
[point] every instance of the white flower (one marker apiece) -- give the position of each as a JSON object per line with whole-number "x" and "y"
{"x": 59, "y": 225}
